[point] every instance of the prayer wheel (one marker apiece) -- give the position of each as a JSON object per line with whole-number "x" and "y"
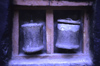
{"x": 68, "y": 34}
{"x": 33, "y": 37}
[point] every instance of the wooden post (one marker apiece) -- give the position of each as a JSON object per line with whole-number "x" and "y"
{"x": 15, "y": 34}
{"x": 86, "y": 34}
{"x": 49, "y": 31}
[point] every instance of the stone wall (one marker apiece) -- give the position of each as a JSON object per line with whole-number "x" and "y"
{"x": 96, "y": 34}
{"x": 5, "y": 31}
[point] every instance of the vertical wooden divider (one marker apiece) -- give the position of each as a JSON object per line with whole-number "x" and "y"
{"x": 15, "y": 34}
{"x": 49, "y": 31}
{"x": 86, "y": 33}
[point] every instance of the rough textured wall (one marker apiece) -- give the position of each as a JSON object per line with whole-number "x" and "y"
{"x": 97, "y": 34}
{"x": 6, "y": 29}
{"x": 5, "y": 32}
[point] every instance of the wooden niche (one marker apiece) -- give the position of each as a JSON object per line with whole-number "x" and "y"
{"x": 60, "y": 20}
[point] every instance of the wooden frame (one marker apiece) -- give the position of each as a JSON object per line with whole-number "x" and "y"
{"x": 49, "y": 34}
{"x": 49, "y": 6}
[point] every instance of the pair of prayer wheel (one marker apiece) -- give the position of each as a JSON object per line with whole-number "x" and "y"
{"x": 68, "y": 33}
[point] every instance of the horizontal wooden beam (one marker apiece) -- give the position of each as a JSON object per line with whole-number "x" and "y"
{"x": 68, "y": 3}
{"x": 51, "y": 56}
{"x": 31, "y": 2}
{"x": 49, "y": 3}
{"x": 50, "y": 7}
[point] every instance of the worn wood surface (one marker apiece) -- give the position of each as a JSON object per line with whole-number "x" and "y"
{"x": 69, "y": 60}
{"x": 67, "y": 3}
{"x": 15, "y": 34}
{"x": 51, "y": 56}
{"x": 49, "y": 3}
{"x": 49, "y": 31}
{"x": 31, "y": 2}
{"x": 86, "y": 33}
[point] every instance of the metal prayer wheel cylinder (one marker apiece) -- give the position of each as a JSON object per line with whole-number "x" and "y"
{"x": 33, "y": 37}
{"x": 68, "y": 34}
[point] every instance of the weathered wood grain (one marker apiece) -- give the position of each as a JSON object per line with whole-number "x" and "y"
{"x": 86, "y": 34}
{"x": 15, "y": 34}
{"x": 49, "y": 31}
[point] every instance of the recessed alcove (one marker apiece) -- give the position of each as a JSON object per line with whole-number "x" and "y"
{"x": 48, "y": 13}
